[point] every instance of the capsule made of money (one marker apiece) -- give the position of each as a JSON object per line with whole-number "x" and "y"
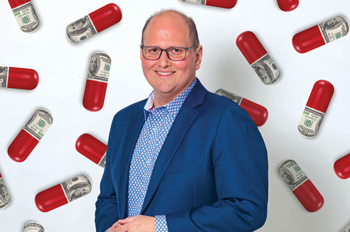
{"x": 321, "y": 34}
{"x": 257, "y": 112}
{"x": 25, "y": 15}
{"x": 93, "y": 23}
{"x": 301, "y": 186}
{"x": 33, "y": 226}
{"x": 258, "y": 58}
{"x": 18, "y": 78}
{"x": 63, "y": 193}
{"x": 342, "y": 167}
{"x": 96, "y": 83}
{"x": 218, "y": 3}
{"x": 92, "y": 148}
{"x": 316, "y": 108}
{"x": 30, "y": 135}
{"x": 4, "y": 194}
{"x": 288, "y": 5}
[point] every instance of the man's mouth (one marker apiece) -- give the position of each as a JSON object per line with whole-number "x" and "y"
{"x": 164, "y": 73}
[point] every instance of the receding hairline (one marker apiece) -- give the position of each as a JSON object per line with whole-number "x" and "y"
{"x": 193, "y": 34}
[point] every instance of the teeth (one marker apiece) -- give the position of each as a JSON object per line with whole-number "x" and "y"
{"x": 164, "y": 73}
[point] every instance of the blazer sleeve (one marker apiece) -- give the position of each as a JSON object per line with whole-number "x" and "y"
{"x": 106, "y": 213}
{"x": 239, "y": 158}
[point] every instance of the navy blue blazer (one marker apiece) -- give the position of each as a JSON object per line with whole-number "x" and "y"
{"x": 210, "y": 175}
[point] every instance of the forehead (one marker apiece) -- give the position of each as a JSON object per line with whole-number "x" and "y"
{"x": 167, "y": 28}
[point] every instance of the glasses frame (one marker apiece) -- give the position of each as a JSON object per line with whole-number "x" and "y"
{"x": 166, "y": 51}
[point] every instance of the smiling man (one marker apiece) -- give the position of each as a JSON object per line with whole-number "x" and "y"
{"x": 183, "y": 159}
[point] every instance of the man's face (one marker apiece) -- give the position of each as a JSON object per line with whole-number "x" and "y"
{"x": 167, "y": 77}
{"x": 93, "y": 63}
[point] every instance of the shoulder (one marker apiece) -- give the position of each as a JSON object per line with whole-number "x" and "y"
{"x": 132, "y": 109}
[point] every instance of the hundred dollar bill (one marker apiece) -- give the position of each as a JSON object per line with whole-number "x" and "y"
{"x": 4, "y": 195}
{"x": 33, "y": 227}
{"x": 334, "y": 29}
{"x": 347, "y": 229}
{"x": 77, "y": 187}
{"x": 203, "y": 2}
{"x": 292, "y": 174}
{"x": 103, "y": 161}
{"x": 4, "y": 73}
{"x": 266, "y": 70}
{"x": 229, "y": 95}
{"x": 26, "y": 17}
{"x": 39, "y": 124}
{"x": 100, "y": 65}
{"x": 310, "y": 122}
{"x": 80, "y": 30}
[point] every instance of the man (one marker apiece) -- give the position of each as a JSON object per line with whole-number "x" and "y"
{"x": 184, "y": 159}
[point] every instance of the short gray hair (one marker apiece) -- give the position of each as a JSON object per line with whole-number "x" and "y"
{"x": 189, "y": 21}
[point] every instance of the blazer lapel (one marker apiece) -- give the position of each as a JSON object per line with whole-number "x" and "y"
{"x": 182, "y": 123}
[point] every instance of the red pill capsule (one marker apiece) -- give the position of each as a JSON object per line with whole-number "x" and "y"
{"x": 18, "y": 78}
{"x": 63, "y": 193}
{"x": 92, "y": 148}
{"x": 316, "y": 108}
{"x": 257, "y": 112}
{"x": 302, "y": 187}
{"x": 321, "y": 34}
{"x": 288, "y": 5}
{"x": 218, "y": 3}
{"x": 25, "y": 15}
{"x": 96, "y": 83}
{"x": 342, "y": 167}
{"x": 4, "y": 195}
{"x": 93, "y": 23}
{"x": 30, "y": 135}
{"x": 258, "y": 58}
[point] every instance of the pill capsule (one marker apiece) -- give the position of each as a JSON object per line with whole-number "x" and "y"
{"x": 342, "y": 167}
{"x": 316, "y": 108}
{"x": 18, "y": 78}
{"x": 257, "y": 112}
{"x": 288, "y": 5}
{"x": 63, "y": 193}
{"x": 96, "y": 83}
{"x": 92, "y": 148}
{"x": 321, "y": 34}
{"x": 25, "y": 14}
{"x": 33, "y": 226}
{"x": 301, "y": 186}
{"x": 4, "y": 195}
{"x": 258, "y": 58}
{"x": 30, "y": 135}
{"x": 218, "y": 3}
{"x": 93, "y": 23}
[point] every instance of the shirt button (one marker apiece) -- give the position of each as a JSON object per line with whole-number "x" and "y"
{"x": 144, "y": 193}
{"x": 155, "y": 129}
{"x": 148, "y": 161}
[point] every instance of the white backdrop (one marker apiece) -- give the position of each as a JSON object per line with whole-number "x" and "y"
{"x": 63, "y": 67}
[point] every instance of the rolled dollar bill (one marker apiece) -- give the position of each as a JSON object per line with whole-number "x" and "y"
{"x": 63, "y": 193}
{"x": 4, "y": 195}
{"x": 218, "y": 3}
{"x": 33, "y": 226}
{"x": 196, "y": 1}
{"x": 334, "y": 28}
{"x": 25, "y": 15}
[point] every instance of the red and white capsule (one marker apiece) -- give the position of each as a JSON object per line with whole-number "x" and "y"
{"x": 18, "y": 78}
{"x": 25, "y": 15}
{"x": 257, "y": 112}
{"x": 93, "y": 23}
{"x": 218, "y": 3}
{"x": 288, "y": 5}
{"x": 63, "y": 193}
{"x": 342, "y": 167}
{"x": 97, "y": 80}
{"x": 316, "y": 108}
{"x": 92, "y": 148}
{"x": 4, "y": 195}
{"x": 30, "y": 135}
{"x": 321, "y": 34}
{"x": 258, "y": 58}
{"x": 301, "y": 186}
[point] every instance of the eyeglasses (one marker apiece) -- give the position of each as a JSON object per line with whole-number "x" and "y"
{"x": 173, "y": 53}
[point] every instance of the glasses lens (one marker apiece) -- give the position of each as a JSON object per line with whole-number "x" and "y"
{"x": 151, "y": 52}
{"x": 176, "y": 53}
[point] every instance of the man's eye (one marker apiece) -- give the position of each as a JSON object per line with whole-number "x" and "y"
{"x": 154, "y": 50}
{"x": 176, "y": 50}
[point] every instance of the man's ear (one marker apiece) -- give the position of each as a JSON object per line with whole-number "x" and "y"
{"x": 199, "y": 55}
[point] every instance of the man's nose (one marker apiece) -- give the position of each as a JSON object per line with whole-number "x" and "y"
{"x": 164, "y": 60}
